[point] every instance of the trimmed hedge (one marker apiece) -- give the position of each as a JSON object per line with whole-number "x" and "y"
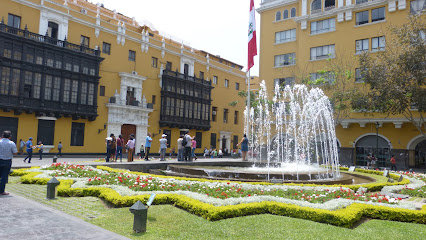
{"x": 346, "y": 217}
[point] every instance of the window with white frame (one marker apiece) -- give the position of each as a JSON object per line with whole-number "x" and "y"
{"x": 322, "y": 78}
{"x": 285, "y": 14}
{"x": 214, "y": 79}
{"x": 285, "y": 36}
{"x": 316, "y": 6}
{"x": 417, "y": 6}
{"x": 322, "y": 52}
{"x": 378, "y": 43}
{"x": 362, "y": 17}
{"x": 293, "y": 12}
{"x": 329, "y": 4}
{"x": 361, "y": 1}
{"x": 282, "y": 82}
{"x": 285, "y": 59}
{"x": 322, "y": 26}
{"x": 361, "y": 45}
{"x": 226, "y": 83}
{"x": 378, "y": 14}
{"x": 278, "y": 16}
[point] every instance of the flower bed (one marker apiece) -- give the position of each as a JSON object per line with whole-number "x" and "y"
{"x": 217, "y": 200}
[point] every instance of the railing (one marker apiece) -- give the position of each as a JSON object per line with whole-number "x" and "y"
{"x": 185, "y": 77}
{"x": 329, "y": 8}
{"x": 46, "y": 39}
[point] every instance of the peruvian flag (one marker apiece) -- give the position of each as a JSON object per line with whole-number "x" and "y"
{"x": 252, "y": 48}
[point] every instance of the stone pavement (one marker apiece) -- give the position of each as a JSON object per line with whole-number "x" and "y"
{"x": 25, "y": 219}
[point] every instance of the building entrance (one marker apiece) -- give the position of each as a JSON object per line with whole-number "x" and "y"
{"x": 420, "y": 154}
{"x": 368, "y": 145}
{"x": 127, "y": 130}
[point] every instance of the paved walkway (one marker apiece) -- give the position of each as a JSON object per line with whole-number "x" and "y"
{"x": 25, "y": 219}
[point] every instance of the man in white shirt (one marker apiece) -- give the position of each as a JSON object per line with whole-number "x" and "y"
{"x": 188, "y": 150}
{"x": 7, "y": 150}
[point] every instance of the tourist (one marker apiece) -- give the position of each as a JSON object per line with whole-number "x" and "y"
{"x": 108, "y": 147}
{"x": 148, "y": 141}
{"x": 206, "y": 152}
{"x": 244, "y": 147}
{"x": 163, "y": 147}
{"x": 194, "y": 146}
{"x": 113, "y": 148}
{"x": 373, "y": 161}
{"x": 220, "y": 153}
{"x": 119, "y": 143}
{"x": 40, "y": 149}
{"x": 60, "y": 149}
{"x": 7, "y": 150}
{"x": 181, "y": 148}
{"x": 368, "y": 161}
{"x": 187, "y": 140}
{"x": 130, "y": 148}
{"x": 142, "y": 152}
{"x": 29, "y": 145}
{"x": 393, "y": 163}
{"x": 21, "y": 146}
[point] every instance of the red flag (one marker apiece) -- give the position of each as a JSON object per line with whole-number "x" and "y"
{"x": 252, "y": 48}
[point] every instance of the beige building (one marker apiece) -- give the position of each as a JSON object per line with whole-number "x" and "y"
{"x": 300, "y": 37}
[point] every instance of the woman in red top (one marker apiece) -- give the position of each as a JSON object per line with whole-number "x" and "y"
{"x": 120, "y": 143}
{"x": 393, "y": 162}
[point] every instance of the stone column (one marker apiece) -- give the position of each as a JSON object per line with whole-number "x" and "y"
{"x": 141, "y": 132}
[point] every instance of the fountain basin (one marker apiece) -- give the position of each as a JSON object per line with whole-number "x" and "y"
{"x": 261, "y": 175}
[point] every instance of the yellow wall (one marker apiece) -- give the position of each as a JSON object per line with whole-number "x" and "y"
{"x": 83, "y": 24}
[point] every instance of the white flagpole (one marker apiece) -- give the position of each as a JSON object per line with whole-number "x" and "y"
{"x": 248, "y": 105}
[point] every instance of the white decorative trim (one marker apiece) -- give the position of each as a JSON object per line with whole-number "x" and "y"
{"x": 48, "y": 15}
{"x": 392, "y": 6}
{"x": 402, "y": 4}
{"x": 411, "y": 145}
{"x": 398, "y": 124}
{"x": 348, "y": 15}
{"x": 163, "y": 47}
{"x": 47, "y": 118}
{"x": 340, "y": 17}
{"x": 268, "y": 5}
{"x": 187, "y": 60}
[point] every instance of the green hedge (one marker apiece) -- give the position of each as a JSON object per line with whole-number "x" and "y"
{"x": 346, "y": 217}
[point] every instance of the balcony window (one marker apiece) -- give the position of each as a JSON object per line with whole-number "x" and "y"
{"x": 326, "y": 25}
{"x": 169, "y": 66}
{"x": 378, "y": 14}
{"x": 84, "y": 41}
{"x": 417, "y": 6}
{"x": 316, "y": 6}
{"x": 322, "y": 52}
{"x": 362, "y": 17}
{"x": 285, "y": 59}
{"x": 378, "y": 43}
{"x": 362, "y": 45}
{"x": 285, "y": 36}
{"x": 52, "y": 30}
{"x": 201, "y": 75}
{"x": 14, "y": 21}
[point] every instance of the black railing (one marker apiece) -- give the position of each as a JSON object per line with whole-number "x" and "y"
{"x": 185, "y": 77}
{"x": 46, "y": 39}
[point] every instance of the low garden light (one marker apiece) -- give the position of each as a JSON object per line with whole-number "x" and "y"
{"x": 141, "y": 214}
{"x": 54, "y": 159}
{"x": 51, "y": 188}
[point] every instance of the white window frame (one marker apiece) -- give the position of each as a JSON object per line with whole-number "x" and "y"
{"x": 362, "y": 45}
{"x": 215, "y": 80}
{"x": 378, "y": 44}
{"x": 285, "y": 59}
{"x": 285, "y": 36}
{"x": 328, "y": 77}
{"x": 323, "y": 52}
{"x": 326, "y": 25}
{"x": 226, "y": 83}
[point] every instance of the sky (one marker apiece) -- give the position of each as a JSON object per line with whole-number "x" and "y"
{"x": 219, "y": 27}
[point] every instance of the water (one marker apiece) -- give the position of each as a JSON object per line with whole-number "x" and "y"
{"x": 293, "y": 132}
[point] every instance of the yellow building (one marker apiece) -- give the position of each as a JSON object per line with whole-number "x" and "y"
{"x": 75, "y": 72}
{"x": 298, "y": 36}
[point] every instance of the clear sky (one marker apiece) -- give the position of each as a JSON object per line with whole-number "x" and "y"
{"x": 219, "y": 27}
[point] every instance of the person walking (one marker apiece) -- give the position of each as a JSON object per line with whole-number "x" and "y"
{"x": 244, "y": 147}
{"x": 131, "y": 148}
{"x": 40, "y": 149}
{"x": 181, "y": 148}
{"x": 60, "y": 149}
{"x": 187, "y": 139}
{"x": 194, "y": 146}
{"x": 108, "y": 147}
{"x": 373, "y": 161}
{"x": 148, "y": 141}
{"x": 21, "y": 146}
{"x": 393, "y": 163}
{"x": 29, "y": 145}
{"x": 163, "y": 147}
{"x": 113, "y": 148}
{"x": 120, "y": 143}
{"x": 7, "y": 150}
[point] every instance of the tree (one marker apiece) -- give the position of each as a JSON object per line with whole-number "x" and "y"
{"x": 397, "y": 76}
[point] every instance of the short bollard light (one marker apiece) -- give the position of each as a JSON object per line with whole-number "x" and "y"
{"x": 51, "y": 188}
{"x": 141, "y": 215}
{"x": 55, "y": 158}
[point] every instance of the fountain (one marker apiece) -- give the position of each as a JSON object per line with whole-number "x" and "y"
{"x": 292, "y": 139}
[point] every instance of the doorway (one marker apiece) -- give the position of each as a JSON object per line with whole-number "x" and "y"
{"x": 127, "y": 130}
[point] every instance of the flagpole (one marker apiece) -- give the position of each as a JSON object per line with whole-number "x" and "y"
{"x": 248, "y": 105}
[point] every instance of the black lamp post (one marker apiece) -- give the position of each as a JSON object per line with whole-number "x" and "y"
{"x": 377, "y": 142}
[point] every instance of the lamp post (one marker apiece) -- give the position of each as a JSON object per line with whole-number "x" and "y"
{"x": 377, "y": 142}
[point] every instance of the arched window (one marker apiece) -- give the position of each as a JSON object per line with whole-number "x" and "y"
{"x": 329, "y": 4}
{"x": 293, "y": 12}
{"x": 278, "y": 16}
{"x": 316, "y": 6}
{"x": 285, "y": 14}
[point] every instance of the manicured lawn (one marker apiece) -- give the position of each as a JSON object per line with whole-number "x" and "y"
{"x": 168, "y": 222}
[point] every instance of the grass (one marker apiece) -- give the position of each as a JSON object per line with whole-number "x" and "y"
{"x": 169, "y": 222}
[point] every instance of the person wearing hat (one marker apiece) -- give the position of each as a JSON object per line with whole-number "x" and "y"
{"x": 163, "y": 147}
{"x": 29, "y": 145}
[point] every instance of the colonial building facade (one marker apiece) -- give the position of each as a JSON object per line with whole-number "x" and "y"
{"x": 301, "y": 37}
{"x": 75, "y": 72}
